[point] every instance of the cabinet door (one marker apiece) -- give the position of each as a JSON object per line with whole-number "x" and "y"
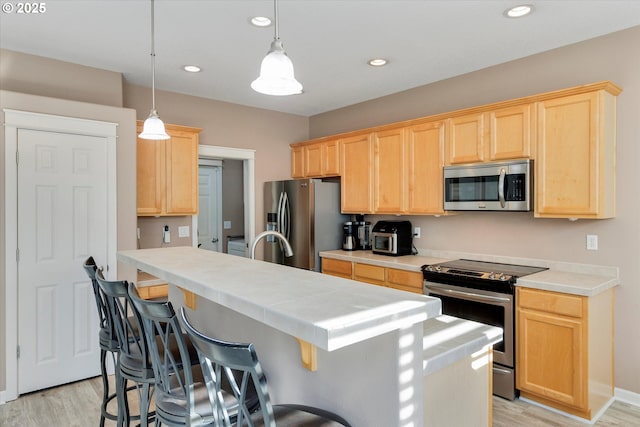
{"x": 331, "y": 158}
{"x": 466, "y": 139}
{"x": 182, "y": 173}
{"x": 510, "y": 133}
{"x": 313, "y": 160}
{"x": 150, "y": 169}
{"x": 569, "y": 176}
{"x": 552, "y": 346}
{"x": 297, "y": 162}
{"x": 357, "y": 174}
{"x": 426, "y": 157}
{"x": 552, "y": 357}
{"x": 390, "y": 170}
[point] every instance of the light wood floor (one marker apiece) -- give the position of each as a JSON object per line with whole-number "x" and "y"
{"x": 78, "y": 405}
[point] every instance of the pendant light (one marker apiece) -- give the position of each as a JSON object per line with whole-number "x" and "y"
{"x": 153, "y": 127}
{"x": 276, "y": 72}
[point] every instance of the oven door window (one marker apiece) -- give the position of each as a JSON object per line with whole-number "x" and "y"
{"x": 471, "y": 310}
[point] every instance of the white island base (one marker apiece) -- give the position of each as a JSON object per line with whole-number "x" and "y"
{"x": 374, "y": 366}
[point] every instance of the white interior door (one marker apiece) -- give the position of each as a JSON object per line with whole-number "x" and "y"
{"x": 210, "y": 206}
{"x": 62, "y": 219}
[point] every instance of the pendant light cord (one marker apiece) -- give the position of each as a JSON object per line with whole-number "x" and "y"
{"x": 275, "y": 13}
{"x": 153, "y": 59}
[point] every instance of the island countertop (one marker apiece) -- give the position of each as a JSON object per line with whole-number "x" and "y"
{"x": 326, "y": 311}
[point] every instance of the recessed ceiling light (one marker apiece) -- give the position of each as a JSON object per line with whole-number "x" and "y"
{"x": 191, "y": 68}
{"x": 377, "y": 62}
{"x": 260, "y": 21}
{"x": 518, "y": 11}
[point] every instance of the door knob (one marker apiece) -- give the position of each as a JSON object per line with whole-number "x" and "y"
{"x": 214, "y": 240}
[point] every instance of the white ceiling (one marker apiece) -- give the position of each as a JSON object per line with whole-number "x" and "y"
{"x": 329, "y": 41}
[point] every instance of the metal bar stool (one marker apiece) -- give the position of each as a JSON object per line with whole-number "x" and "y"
{"x": 107, "y": 340}
{"x": 134, "y": 363}
{"x": 218, "y": 358}
{"x": 180, "y": 394}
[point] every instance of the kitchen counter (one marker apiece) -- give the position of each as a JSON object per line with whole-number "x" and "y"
{"x": 328, "y": 312}
{"x": 569, "y": 278}
{"x": 373, "y": 342}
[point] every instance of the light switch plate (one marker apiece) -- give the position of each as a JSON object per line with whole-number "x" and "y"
{"x": 592, "y": 242}
{"x": 183, "y": 231}
{"x": 227, "y": 225}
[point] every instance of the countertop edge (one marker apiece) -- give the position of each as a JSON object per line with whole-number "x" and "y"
{"x": 600, "y": 278}
{"x": 463, "y": 338}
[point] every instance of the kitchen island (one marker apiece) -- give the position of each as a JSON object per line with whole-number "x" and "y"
{"x": 366, "y": 343}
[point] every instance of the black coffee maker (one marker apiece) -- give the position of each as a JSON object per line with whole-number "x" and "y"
{"x": 349, "y": 236}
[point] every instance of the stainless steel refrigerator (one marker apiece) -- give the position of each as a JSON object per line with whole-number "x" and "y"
{"x": 307, "y": 212}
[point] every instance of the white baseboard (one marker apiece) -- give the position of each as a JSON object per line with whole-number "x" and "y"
{"x": 3, "y": 398}
{"x": 627, "y": 396}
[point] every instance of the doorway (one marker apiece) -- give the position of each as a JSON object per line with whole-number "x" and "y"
{"x": 248, "y": 176}
{"x": 209, "y": 204}
{"x": 64, "y": 191}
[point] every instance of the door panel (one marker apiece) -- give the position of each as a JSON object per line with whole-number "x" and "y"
{"x": 62, "y": 219}
{"x": 209, "y": 199}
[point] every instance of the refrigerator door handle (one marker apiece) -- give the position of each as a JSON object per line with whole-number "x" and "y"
{"x": 287, "y": 217}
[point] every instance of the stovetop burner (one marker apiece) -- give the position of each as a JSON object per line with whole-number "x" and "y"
{"x": 478, "y": 274}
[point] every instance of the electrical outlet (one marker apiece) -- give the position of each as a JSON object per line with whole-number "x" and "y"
{"x": 166, "y": 235}
{"x": 416, "y": 232}
{"x": 592, "y": 242}
{"x": 227, "y": 225}
{"x": 183, "y": 231}
{"x": 138, "y": 232}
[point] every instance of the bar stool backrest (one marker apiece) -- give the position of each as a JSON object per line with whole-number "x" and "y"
{"x": 174, "y": 378}
{"x": 101, "y": 303}
{"x": 126, "y": 320}
{"x": 218, "y": 358}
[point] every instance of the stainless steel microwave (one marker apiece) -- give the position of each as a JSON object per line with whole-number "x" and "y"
{"x": 500, "y": 186}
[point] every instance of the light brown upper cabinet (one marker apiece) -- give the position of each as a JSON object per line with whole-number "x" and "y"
{"x": 426, "y": 157}
{"x": 466, "y": 139}
{"x": 500, "y": 134}
{"x": 316, "y": 160}
{"x": 575, "y": 160}
{"x": 167, "y": 173}
{"x": 390, "y": 171}
{"x": 357, "y": 174}
{"x": 510, "y": 133}
{"x": 297, "y": 161}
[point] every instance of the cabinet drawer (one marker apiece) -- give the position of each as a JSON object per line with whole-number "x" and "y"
{"x": 368, "y": 273}
{"x": 336, "y": 267}
{"x": 153, "y": 291}
{"x": 552, "y": 302}
{"x": 403, "y": 279}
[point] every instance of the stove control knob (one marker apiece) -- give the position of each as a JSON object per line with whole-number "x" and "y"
{"x": 429, "y": 268}
{"x": 492, "y": 275}
{"x": 504, "y": 278}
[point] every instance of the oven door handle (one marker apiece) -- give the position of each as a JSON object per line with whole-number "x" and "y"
{"x": 477, "y": 297}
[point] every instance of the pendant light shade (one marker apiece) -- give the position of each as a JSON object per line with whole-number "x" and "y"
{"x": 153, "y": 127}
{"x": 276, "y": 72}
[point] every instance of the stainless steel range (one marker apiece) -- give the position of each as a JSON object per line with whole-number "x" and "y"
{"x": 483, "y": 292}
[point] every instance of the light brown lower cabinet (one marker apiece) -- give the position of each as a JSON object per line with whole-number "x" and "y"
{"x": 410, "y": 281}
{"x": 565, "y": 349}
{"x": 336, "y": 267}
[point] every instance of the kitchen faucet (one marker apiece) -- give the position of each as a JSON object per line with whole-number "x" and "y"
{"x": 287, "y": 246}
